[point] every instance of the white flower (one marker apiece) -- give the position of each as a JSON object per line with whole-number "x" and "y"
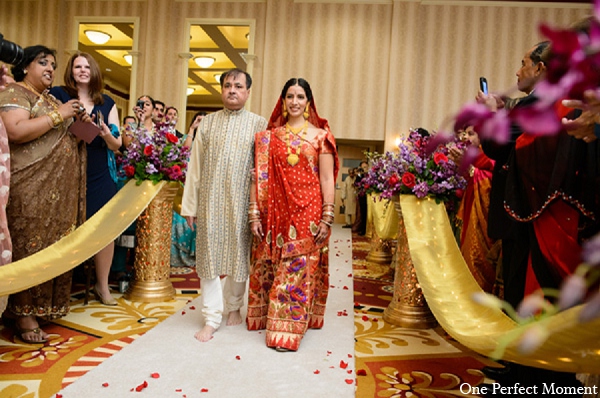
{"x": 533, "y": 338}
{"x": 531, "y": 305}
{"x": 6, "y": 254}
{"x": 487, "y": 300}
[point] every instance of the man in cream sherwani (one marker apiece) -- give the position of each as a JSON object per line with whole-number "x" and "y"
{"x": 215, "y": 200}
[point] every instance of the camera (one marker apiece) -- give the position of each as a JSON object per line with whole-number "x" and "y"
{"x": 140, "y": 104}
{"x": 10, "y": 52}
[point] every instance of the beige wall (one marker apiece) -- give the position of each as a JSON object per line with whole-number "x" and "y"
{"x": 376, "y": 67}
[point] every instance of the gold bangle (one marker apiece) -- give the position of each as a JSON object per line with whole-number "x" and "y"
{"x": 56, "y": 118}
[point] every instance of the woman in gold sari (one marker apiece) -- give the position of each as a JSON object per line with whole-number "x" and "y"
{"x": 47, "y": 192}
{"x": 291, "y": 213}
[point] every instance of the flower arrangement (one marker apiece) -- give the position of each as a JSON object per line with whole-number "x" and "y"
{"x": 156, "y": 156}
{"x": 415, "y": 169}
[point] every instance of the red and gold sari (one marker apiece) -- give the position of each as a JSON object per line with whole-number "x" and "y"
{"x": 473, "y": 212}
{"x": 289, "y": 277}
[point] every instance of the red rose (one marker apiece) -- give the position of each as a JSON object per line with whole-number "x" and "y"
{"x": 177, "y": 169}
{"x": 172, "y": 138}
{"x": 129, "y": 170}
{"x": 393, "y": 180}
{"x": 459, "y": 193}
{"x": 408, "y": 179}
{"x": 439, "y": 157}
{"x": 148, "y": 150}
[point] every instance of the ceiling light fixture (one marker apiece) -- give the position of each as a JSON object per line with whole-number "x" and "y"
{"x": 218, "y": 77}
{"x": 190, "y": 90}
{"x": 128, "y": 58}
{"x": 204, "y": 62}
{"x": 247, "y": 36}
{"x": 97, "y": 37}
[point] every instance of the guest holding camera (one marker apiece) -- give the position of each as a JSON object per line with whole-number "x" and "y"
{"x": 46, "y": 160}
{"x": 83, "y": 81}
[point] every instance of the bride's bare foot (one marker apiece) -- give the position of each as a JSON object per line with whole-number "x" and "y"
{"x": 234, "y": 318}
{"x": 205, "y": 334}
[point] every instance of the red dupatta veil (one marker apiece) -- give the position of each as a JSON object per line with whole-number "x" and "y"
{"x": 286, "y": 224}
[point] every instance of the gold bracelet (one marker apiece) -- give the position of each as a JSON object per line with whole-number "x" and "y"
{"x": 56, "y": 118}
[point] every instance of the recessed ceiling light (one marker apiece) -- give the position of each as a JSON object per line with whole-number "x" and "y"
{"x": 97, "y": 37}
{"x": 128, "y": 58}
{"x": 108, "y": 70}
{"x": 190, "y": 90}
{"x": 204, "y": 62}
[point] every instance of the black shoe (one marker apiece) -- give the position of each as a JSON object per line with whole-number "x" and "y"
{"x": 347, "y": 226}
{"x": 501, "y": 375}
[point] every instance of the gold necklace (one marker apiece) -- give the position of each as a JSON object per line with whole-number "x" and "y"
{"x": 292, "y": 157}
{"x": 45, "y": 95}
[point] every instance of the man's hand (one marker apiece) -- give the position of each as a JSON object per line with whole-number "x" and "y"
{"x": 583, "y": 127}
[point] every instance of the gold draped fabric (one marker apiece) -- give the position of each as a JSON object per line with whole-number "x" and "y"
{"x": 448, "y": 286}
{"x": 383, "y": 215}
{"x": 93, "y": 235}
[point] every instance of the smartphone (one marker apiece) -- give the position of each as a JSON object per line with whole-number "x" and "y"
{"x": 100, "y": 120}
{"x": 140, "y": 104}
{"x": 483, "y": 85}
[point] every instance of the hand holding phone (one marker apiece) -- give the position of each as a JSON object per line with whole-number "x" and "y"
{"x": 483, "y": 85}
{"x": 140, "y": 104}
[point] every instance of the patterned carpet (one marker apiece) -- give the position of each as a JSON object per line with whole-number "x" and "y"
{"x": 390, "y": 361}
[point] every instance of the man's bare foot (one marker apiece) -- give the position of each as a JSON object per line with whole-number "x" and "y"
{"x": 205, "y": 334}
{"x": 234, "y": 318}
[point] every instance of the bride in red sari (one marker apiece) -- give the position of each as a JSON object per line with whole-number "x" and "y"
{"x": 291, "y": 213}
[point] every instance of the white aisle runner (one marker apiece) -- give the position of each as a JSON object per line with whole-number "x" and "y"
{"x": 236, "y": 362}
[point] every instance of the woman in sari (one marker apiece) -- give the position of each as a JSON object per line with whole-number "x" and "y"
{"x": 475, "y": 244}
{"x": 46, "y": 159}
{"x": 291, "y": 213}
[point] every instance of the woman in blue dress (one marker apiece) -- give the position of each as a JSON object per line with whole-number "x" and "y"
{"x": 183, "y": 238}
{"x": 83, "y": 80}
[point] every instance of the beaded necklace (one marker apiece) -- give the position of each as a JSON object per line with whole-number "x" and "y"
{"x": 292, "y": 145}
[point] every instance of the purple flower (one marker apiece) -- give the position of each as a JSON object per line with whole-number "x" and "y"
{"x": 591, "y": 251}
{"x": 572, "y": 291}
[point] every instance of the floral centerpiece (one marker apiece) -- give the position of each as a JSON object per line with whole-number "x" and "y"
{"x": 155, "y": 156}
{"x": 417, "y": 169}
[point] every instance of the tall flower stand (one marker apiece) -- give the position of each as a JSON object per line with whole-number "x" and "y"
{"x": 152, "y": 264}
{"x": 385, "y": 228}
{"x": 408, "y": 307}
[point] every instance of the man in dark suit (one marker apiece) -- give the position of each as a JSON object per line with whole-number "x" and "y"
{"x": 520, "y": 246}
{"x": 500, "y": 225}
